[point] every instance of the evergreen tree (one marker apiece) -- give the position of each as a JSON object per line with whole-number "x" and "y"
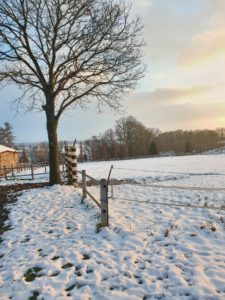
{"x": 6, "y": 135}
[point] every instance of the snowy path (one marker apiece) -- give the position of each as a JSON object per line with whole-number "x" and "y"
{"x": 149, "y": 252}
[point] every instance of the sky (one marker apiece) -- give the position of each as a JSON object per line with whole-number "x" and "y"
{"x": 184, "y": 84}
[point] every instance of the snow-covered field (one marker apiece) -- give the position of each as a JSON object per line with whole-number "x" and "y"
{"x": 151, "y": 250}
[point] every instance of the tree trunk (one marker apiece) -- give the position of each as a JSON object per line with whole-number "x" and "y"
{"x": 52, "y": 124}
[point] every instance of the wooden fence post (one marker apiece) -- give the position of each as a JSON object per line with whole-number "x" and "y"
{"x": 32, "y": 171}
{"x": 104, "y": 203}
{"x": 5, "y": 172}
{"x": 12, "y": 172}
{"x": 84, "y": 184}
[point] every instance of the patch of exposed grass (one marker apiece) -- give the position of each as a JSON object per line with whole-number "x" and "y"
{"x": 89, "y": 270}
{"x": 32, "y": 273}
{"x": 193, "y": 234}
{"x": 56, "y": 273}
{"x": 55, "y": 257}
{"x": 86, "y": 256}
{"x": 70, "y": 288}
{"x": 166, "y": 233}
{"x": 67, "y": 265}
{"x": 34, "y": 296}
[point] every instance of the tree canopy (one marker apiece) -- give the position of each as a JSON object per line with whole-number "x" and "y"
{"x": 64, "y": 53}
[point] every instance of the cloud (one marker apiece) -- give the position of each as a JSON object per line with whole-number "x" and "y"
{"x": 166, "y": 96}
{"x": 182, "y": 116}
{"x": 204, "y": 48}
{"x": 186, "y": 108}
{"x": 144, "y": 3}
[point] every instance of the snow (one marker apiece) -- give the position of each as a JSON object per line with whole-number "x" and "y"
{"x": 149, "y": 251}
{"x": 194, "y": 170}
{"x": 5, "y": 149}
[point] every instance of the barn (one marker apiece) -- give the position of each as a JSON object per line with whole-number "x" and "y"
{"x": 8, "y": 157}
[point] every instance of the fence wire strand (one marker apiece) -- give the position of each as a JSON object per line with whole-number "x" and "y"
{"x": 170, "y": 172}
{"x": 176, "y": 187}
{"x": 168, "y": 204}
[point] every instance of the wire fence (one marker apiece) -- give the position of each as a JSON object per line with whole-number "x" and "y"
{"x": 132, "y": 182}
{"x": 170, "y": 172}
{"x": 168, "y": 204}
{"x": 177, "y": 187}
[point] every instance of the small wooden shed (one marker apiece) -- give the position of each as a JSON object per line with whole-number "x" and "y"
{"x": 8, "y": 157}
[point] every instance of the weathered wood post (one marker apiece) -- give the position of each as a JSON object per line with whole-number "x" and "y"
{"x": 12, "y": 171}
{"x": 32, "y": 171}
{"x": 84, "y": 184}
{"x": 5, "y": 172}
{"x": 104, "y": 203}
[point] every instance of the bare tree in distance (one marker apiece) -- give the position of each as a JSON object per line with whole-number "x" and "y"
{"x": 64, "y": 53}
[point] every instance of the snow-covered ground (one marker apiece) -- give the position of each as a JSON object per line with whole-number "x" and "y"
{"x": 151, "y": 250}
{"x": 193, "y": 170}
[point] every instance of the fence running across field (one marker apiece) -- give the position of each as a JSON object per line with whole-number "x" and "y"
{"x": 72, "y": 176}
{"x": 23, "y": 171}
{"x": 191, "y": 188}
{"x": 104, "y": 197}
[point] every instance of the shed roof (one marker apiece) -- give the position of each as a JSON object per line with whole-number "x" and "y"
{"x": 6, "y": 149}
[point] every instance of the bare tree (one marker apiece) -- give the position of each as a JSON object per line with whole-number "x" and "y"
{"x": 133, "y": 135}
{"x": 65, "y": 53}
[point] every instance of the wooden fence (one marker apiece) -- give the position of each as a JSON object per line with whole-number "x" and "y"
{"x": 25, "y": 170}
{"x": 103, "y": 203}
{"x": 72, "y": 175}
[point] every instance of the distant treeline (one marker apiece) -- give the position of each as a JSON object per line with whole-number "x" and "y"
{"x": 130, "y": 138}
